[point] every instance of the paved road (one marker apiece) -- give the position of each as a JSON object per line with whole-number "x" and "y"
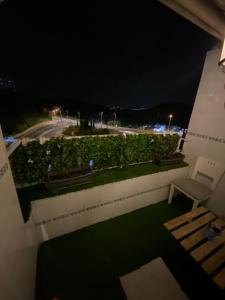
{"x": 48, "y": 131}
{"x": 55, "y": 129}
{"x": 121, "y": 129}
{"x": 37, "y": 132}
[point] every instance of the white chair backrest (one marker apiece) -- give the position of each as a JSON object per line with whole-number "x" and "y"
{"x": 211, "y": 169}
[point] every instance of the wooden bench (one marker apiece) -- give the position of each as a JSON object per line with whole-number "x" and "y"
{"x": 189, "y": 230}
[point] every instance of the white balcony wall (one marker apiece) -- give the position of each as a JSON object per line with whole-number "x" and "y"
{"x": 206, "y": 131}
{"x": 62, "y": 214}
{"x": 18, "y": 246}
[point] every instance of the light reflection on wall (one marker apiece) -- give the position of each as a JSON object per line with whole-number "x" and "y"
{"x": 223, "y": 53}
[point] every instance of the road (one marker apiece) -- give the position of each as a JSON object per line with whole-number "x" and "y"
{"x": 56, "y": 128}
{"x": 126, "y": 130}
{"x": 48, "y": 131}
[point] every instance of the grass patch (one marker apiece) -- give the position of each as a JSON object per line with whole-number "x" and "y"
{"x": 78, "y": 131}
{"x": 99, "y": 178}
{"x": 87, "y": 263}
{"x": 14, "y": 124}
{"x": 118, "y": 174}
{"x": 26, "y": 122}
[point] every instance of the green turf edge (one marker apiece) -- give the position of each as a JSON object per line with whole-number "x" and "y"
{"x": 87, "y": 263}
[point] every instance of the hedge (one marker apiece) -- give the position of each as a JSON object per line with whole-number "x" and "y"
{"x": 31, "y": 163}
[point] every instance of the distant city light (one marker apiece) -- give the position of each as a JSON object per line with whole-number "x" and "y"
{"x": 159, "y": 128}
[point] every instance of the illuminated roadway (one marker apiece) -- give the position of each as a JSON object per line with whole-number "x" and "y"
{"x": 49, "y": 130}
{"x": 56, "y": 128}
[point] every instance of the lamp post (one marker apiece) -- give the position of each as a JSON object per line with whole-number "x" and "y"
{"x": 114, "y": 118}
{"x": 60, "y": 112}
{"x": 170, "y": 118}
{"x": 78, "y": 119}
{"x": 101, "y": 114}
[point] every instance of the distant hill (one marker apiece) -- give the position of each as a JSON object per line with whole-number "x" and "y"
{"x": 16, "y": 107}
{"x": 19, "y": 111}
{"x": 74, "y": 106}
{"x": 157, "y": 114}
{"x": 181, "y": 113}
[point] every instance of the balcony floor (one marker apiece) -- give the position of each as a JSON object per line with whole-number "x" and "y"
{"x": 87, "y": 264}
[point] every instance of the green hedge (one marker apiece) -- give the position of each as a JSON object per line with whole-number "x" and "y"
{"x": 30, "y": 163}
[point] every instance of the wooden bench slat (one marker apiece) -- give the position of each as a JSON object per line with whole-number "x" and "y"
{"x": 192, "y": 232}
{"x": 198, "y": 236}
{"x": 214, "y": 261}
{"x": 185, "y": 218}
{"x": 219, "y": 279}
{"x": 193, "y": 239}
{"x": 203, "y": 250}
{"x": 186, "y": 229}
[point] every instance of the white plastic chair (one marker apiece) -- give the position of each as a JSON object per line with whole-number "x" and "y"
{"x": 202, "y": 182}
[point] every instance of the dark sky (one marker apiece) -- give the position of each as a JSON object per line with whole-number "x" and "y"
{"x": 100, "y": 53}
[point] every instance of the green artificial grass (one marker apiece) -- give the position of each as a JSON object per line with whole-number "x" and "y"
{"x": 119, "y": 174}
{"x": 87, "y": 263}
{"x": 99, "y": 178}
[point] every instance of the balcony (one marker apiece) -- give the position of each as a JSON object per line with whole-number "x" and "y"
{"x": 87, "y": 264}
{"x": 87, "y": 239}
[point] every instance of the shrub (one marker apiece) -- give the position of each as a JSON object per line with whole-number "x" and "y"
{"x": 76, "y": 130}
{"x": 114, "y": 123}
{"x": 164, "y": 146}
{"x": 30, "y": 163}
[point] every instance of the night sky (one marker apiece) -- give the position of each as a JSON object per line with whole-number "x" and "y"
{"x": 112, "y": 55}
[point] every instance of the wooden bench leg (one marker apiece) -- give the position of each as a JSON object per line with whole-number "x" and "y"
{"x": 171, "y": 194}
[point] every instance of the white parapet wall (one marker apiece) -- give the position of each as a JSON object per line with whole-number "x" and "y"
{"x": 19, "y": 241}
{"x": 206, "y": 131}
{"x": 62, "y": 214}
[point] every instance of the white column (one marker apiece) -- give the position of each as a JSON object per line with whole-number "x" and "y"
{"x": 18, "y": 246}
{"x": 223, "y": 54}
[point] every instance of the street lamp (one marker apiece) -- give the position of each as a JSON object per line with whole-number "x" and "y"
{"x": 170, "y": 118}
{"x": 78, "y": 119}
{"x": 59, "y": 109}
{"x": 101, "y": 113}
{"x": 60, "y": 112}
{"x": 114, "y": 118}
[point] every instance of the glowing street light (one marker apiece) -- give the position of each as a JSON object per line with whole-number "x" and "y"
{"x": 57, "y": 111}
{"x": 170, "y": 118}
{"x": 78, "y": 119}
